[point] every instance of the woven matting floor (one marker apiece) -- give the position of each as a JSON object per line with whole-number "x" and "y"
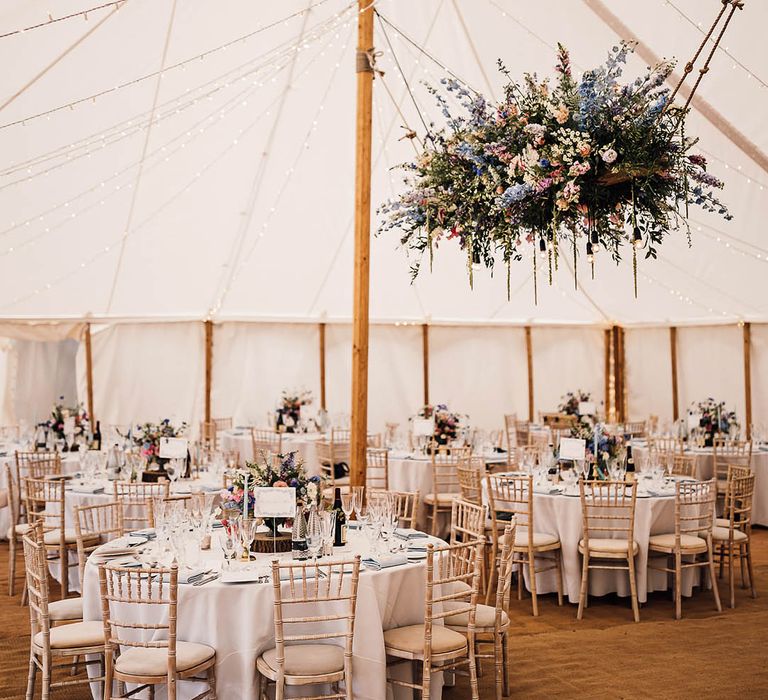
{"x": 606, "y": 655}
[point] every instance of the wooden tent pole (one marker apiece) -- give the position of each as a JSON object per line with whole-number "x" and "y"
{"x": 607, "y": 403}
{"x": 364, "y": 70}
{"x": 425, "y": 360}
{"x": 322, "y": 366}
{"x": 208, "y": 368}
{"x": 747, "y": 331}
{"x": 89, "y": 373}
{"x": 529, "y": 356}
{"x": 673, "y": 360}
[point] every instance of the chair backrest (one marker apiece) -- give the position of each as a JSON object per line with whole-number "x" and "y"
{"x": 507, "y": 541}
{"x": 377, "y": 468}
{"x": 635, "y": 428}
{"x": 209, "y": 433}
{"x": 510, "y": 431}
{"x": 669, "y": 445}
{"x": 539, "y": 438}
{"x": 325, "y": 457}
{"x": 471, "y": 475}
{"x": 738, "y": 508}
{"x": 41, "y": 468}
{"x": 558, "y": 433}
{"x": 683, "y": 465}
{"x": 135, "y": 498}
{"x": 511, "y": 496}
{"x": 608, "y": 509}
{"x": 318, "y": 601}
{"x": 139, "y": 609}
{"x": 222, "y": 423}
{"x": 266, "y": 441}
{"x": 467, "y": 521}
{"x": 727, "y": 452}
{"x": 453, "y": 583}
{"x": 24, "y": 466}
{"x": 407, "y": 507}
{"x": 14, "y": 499}
{"x": 445, "y": 478}
{"x": 103, "y": 519}
{"x": 44, "y": 500}
{"x": 694, "y": 509}
{"x": 36, "y": 573}
{"x": 522, "y": 432}
{"x": 341, "y": 435}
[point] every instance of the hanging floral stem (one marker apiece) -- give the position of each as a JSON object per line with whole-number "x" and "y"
{"x": 509, "y": 279}
{"x": 635, "y": 239}
{"x": 535, "y": 281}
{"x": 554, "y": 242}
{"x": 685, "y": 169}
{"x": 549, "y": 259}
{"x": 575, "y": 271}
{"x": 469, "y": 261}
{"x": 634, "y": 267}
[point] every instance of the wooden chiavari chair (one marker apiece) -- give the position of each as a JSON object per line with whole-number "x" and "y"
{"x": 45, "y": 468}
{"x": 727, "y": 452}
{"x": 24, "y": 466}
{"x": 319, "y": 599}
{"x": 692, "y": 538}
{"x": 539, "y": 438}
{"x": 265, "y": 441}
{"x": 492, "y": 623}
{"x": 16, "y": 529}
{"x": 522, "y": 432}
{"x": 453, "y": 580}
{"x": 377, "y": 468}
{"x": 445, "y": 482}
{"x": 95, "y": 525}
{"x": 735, "y": 541}
{"x": 135, "y": 497}
{"x": 635, "y": 428}
{"x": 468, "y": 524}
{"x": 222, "y": 423}
{"x": 329, "y": 455}
{"x": 470, "y": 475}
{"x": 406, "y": 507}
{"x": 683, "y": 465}
{"x": 209, "y": 434}
{"x": 735, "y": 471}
{"x": 147, "y": 653}
{"x": 48, "y": 644}
{"x": 512, "y": 497}
{"x": 45, "y": 505}
{"x": 608, "y": 511}
{"x": 510, "y": 431}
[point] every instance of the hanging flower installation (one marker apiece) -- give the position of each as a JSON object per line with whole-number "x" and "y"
{"x": 591, "y": 161}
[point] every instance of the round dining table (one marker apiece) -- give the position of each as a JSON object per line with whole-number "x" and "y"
{"x": 237, "y": 619}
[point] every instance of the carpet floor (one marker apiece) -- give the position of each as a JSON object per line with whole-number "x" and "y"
{"x": 705, "y": 655}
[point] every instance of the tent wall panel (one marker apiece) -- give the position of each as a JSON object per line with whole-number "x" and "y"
{"x": 567, "y": 359}
{"x": 254, "y": 363}
{"x": 479, "y": 371}
{"x": 648, "y": 373}
{"x": 759, "y": 334}
{"x": 710, "y": 364}
{"x": 146, "y": 372}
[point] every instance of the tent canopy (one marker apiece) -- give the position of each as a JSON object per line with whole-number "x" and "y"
{"x": 212, "y": 173}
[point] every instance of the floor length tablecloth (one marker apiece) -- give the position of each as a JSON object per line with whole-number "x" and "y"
{"x": 237, "y": 620}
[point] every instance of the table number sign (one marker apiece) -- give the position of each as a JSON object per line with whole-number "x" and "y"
{"x": 173, "y": 448}
{"x": 271, "y": 502}
{"x": 587, "y": 408}
{"x": 423, "y": 427}
{"x": 694, "y": 420}
{"x": 573, "y": 449}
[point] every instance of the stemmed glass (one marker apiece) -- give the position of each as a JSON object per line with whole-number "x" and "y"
{"x": 248, "y": 527}
{"x": 228, "y": 545}
{"x": 358, "y": 492}
{"x": 328, "y": 526}
{"x": 347, "y": 505}
{"x": 314, "y": 533}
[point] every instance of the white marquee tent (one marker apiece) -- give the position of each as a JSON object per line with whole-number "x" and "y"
{"x": 179, "y": 160}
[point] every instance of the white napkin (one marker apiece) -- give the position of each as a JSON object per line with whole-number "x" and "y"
{"x": 187, "y": 573}
{"x": 77, "y": 487}
{"x": 384, "y": 561}
{"x": 408, "y": 533}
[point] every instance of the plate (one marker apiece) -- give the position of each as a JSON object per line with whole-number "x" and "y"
{"x": 241, "y": 576}
{"x": 416, "y": 556}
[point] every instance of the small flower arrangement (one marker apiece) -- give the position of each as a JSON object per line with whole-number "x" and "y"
{"x": 570, "y": 402}
{"x": 287, "y": 471}
{"x": 714, "y": 418}
{"x": 147, "y": 437}
{"x": 609, "y": 445}
{"x": 447, "y": 423}
{"x": 59, "y": 415}
{"x": 289, "y": 410}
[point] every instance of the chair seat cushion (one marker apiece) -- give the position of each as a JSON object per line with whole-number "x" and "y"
{"x": 443, "y": 499}
{"x": 138, "y": 661}
{"x": 74, "y": 636}
{"x": 307, "y": 659}
{"x": 722, "y": 522}
{"x": 485, "y": 616}
{"x": 687, "y": 542}
{"x": 599, "y": 545}
{"x": 721, "y": 534}
{"x": 67, "y": 609}
{"x": 540, "y": 539}
{"x": 411, "y": 639}
{"x": 70, "y": 537}
{"x": 21, "y": 529}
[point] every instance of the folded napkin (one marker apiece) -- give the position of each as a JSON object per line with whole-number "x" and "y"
{"x": 408, "y": 533}
{"x": 384, "y": 561}
{"x": 142, "y": 535}
{"x": 110, "y": 551}
{"x": 187, "y": 573}
{"x": 87, "y": 488}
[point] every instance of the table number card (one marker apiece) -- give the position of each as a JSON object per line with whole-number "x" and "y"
{"x": 69, "y": 425}
{"x": 270, "y": 502}
{"x": 173, "y": 448}
{"x": 693, "y": 420}
{"x": 573, "y": 448}
{"x": 423, "y": 427}
{"x": 587, "y": 408}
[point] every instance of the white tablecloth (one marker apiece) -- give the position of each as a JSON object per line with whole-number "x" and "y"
{"x": 237, "y": 620}
{"x": 705, "y": 469}
{"x": 303, "y": 443}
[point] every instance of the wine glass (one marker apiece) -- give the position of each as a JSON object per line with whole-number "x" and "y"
{"x": 248, "y": 527}
{"x": 228, "y": 546}
{"x": 358, "y": 492}
{"x": 328, "y": 525}
{"x": 314, "y": 533}
{"x": 347, "y": 505}
{"x": 174, "y": 468}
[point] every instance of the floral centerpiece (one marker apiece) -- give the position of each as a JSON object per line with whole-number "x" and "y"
{"x": 146, "y": 437}
{"x": 289, "y": 411}
{"x": 592, "y": 162}
{"x": 447, "y": 423}
{"x": 286, "y": 471}
{"x": 610, "y": 446}
{"x": 59, "y": 416}
{"x": 715, "y": 419}
{"x": 571, "y": 403}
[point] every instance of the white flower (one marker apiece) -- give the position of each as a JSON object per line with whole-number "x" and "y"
{"x": 312, "y": 491}
{"x": 609, "y": 155}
